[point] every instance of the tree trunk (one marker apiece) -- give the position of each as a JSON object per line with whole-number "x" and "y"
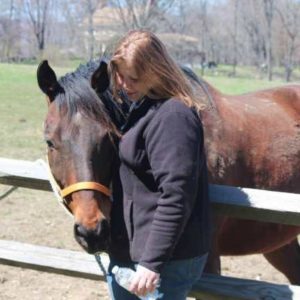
{"x": 91, "y": 36}
{"x": 289, "y": 14}
{"x": 38, "y": 15}
{"x": 235, "y": 27}
{"x": 269, "y": 12}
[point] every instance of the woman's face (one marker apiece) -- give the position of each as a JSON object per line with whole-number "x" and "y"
{"x": 128, "y": 80}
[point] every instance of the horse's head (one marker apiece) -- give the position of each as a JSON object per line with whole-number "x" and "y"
{"x": 81, "y": 150}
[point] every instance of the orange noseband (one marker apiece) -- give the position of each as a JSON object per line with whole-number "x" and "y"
{"x": 79, "y": 186}
{"x": 85, "y": 185}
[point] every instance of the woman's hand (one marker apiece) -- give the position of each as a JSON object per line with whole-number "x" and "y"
{"x": 145, "y": 281}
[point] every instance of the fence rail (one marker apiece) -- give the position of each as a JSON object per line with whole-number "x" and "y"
{"x": 83, "y": 265}
{"x": 260, "y": 205}
{"x": 245, "y": 203}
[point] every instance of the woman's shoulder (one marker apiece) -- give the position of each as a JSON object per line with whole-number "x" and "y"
{"x": 174, "y": 116}
{"x": 176, "y": 106}
{"x": 173, "y": 113}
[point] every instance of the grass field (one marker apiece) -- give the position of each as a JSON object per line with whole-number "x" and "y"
{"x": 22, "y": 107}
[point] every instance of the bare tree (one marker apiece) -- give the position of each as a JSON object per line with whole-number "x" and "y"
{"x": 196, "y": 27}
{"x": 9, "y": 30}
{"x": 203, "y": 32}
{"x": 91, "y": 6}
{"x": 142, "y": 13}
{"x": 268, "y": 8}
{"x": 235, "y": 36}
{"x": 289, "y": 13}
{"x": 71, "y": 13}
{"x": 251, "y": 21}
{"x": 254, "y": 32}
{"x": 38, "y": 12}
{"x": 232, "y": 29}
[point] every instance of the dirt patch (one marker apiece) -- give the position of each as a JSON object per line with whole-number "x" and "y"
{"x": 35, "y": 217}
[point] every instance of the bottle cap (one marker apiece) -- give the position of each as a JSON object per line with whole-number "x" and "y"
{"x": 115, "y": 269}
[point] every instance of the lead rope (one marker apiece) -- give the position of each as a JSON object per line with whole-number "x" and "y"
{"x": 99, "y": 261}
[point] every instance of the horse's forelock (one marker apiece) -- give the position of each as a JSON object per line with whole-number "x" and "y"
{"x": 79, "y": 96}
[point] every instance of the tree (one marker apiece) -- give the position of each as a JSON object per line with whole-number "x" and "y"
{"x": 38, "y": 13}
{"x": 268, "y": 9}
{"x": 91, "y": 7}
{"x": 234, "y": 36}
{"x": 8, "y": 29}
{"x": 232, "y": 29}
{"x": 289, "y": 13}
{"x": 142, "y": 13}
{"x": 252, "y": 25}
{"x": 203, "y": 32}
{"x": 9, "y": 33}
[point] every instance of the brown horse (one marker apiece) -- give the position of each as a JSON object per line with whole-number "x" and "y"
{"x": 252, "y": 140}
{"x": 81, "y": 152}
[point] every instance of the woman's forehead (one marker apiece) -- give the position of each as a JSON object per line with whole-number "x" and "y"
{"x": 126, "y": 68}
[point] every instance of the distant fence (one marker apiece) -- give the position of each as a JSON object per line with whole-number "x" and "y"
{"x": 235, "y": 202}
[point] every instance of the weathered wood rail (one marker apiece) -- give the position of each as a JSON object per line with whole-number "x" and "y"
{"x": 237, "y": 202}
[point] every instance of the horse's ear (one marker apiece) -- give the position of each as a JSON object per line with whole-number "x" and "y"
{"x": 47, "y": 80}
{"x": 100, "y": 78}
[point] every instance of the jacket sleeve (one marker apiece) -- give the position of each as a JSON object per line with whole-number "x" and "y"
{"x": 174, "y": 143}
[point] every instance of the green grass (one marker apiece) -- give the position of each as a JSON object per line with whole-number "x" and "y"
{"x": 247, "y": 79}
{"x": 22, "y": 110}
{"x": 23, "y": 107}
{"x": 240, "y": 85}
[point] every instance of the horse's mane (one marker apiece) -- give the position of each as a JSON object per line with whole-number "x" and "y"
{"x": 201, "y": 87}
{"x": 79, "y": 96}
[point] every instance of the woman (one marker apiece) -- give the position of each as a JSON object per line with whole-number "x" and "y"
{"x": 163, "y": 170}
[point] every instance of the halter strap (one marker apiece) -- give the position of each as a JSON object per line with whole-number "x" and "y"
{"x": 85, "y": 185}
{"x": 62, "y": 193}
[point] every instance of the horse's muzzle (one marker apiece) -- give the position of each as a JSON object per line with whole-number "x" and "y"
{"x": 93, "y": 240}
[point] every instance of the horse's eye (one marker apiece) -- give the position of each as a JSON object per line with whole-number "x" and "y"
{"x": 50, "y": 144}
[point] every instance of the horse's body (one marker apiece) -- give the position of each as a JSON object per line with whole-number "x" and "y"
{"x": 263, "y": 133}
{"x": 252, "y": 140}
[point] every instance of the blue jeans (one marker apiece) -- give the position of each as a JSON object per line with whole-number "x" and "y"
{"x": 177, "y": 279}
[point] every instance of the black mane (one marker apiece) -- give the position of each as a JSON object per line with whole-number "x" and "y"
{"x": 79, "y": 96}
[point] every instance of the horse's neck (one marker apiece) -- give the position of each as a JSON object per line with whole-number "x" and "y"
{"x": 213, "y": 117}
{"x": 215, "y": 96}
{"x": 214, "y": 103}
{"x": 117, "y": 111}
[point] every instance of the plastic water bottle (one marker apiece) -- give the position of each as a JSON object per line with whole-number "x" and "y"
{"x": 124, "y": 277}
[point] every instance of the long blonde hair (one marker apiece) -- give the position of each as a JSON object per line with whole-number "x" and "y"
{"x": 153, "y": 65}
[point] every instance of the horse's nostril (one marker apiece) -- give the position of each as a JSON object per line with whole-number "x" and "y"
{"x": 93, "y": 240}
{"x": 80, "y": 230}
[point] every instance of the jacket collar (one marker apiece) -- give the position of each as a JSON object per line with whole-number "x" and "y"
{"x": 138, "y": 110}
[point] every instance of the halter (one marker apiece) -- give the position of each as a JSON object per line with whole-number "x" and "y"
{"x": 61, "y": 194}
{"x": 85, "y": 185}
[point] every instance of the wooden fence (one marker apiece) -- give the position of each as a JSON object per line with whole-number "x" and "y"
{"x": 236, "y": 202}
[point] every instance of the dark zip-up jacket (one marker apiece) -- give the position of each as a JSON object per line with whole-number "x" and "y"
{"x": 164, "y": 180}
